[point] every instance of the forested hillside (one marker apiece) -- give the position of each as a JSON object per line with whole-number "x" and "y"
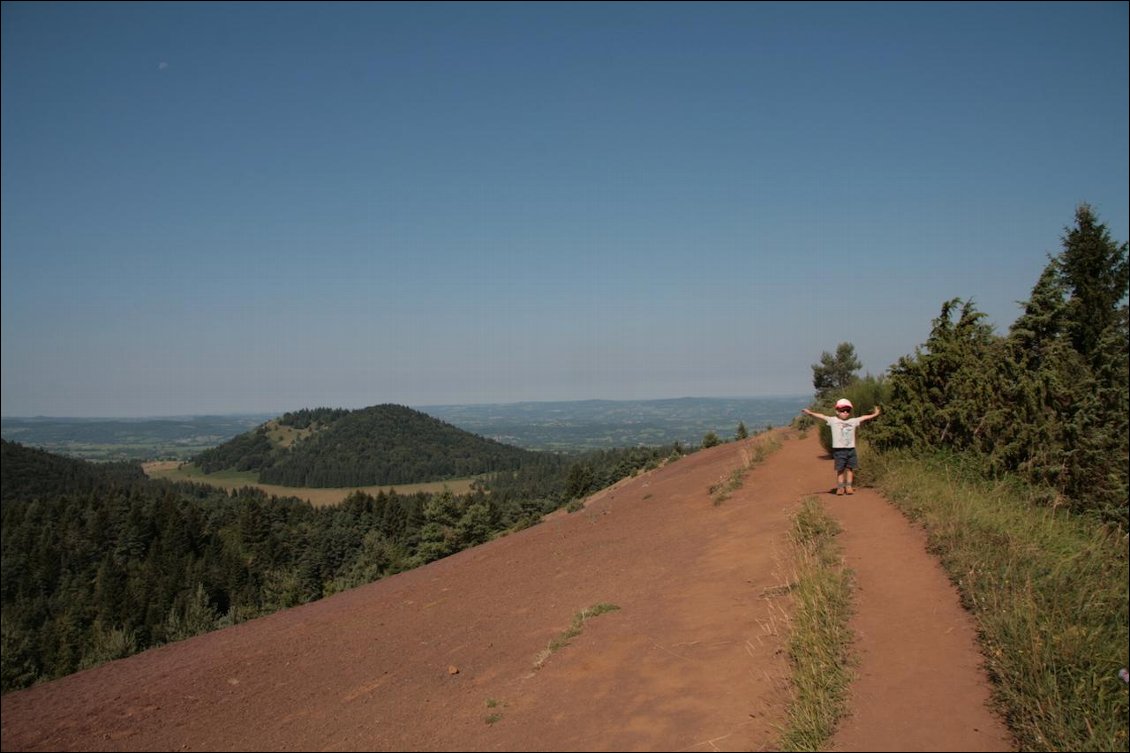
{"x": 383, "y": 444}
{"x": 100, "y": 562}
{"x": 30, "y": 472}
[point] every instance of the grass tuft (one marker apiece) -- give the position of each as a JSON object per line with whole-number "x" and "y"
{"x": 752, "y": 456}
{"x": 820, "y": 646}
{"x": 574, "y": 629}
{"x": 495, "y": 717}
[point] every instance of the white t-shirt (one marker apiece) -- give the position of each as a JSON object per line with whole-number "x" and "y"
{"x": 843, "y": 432}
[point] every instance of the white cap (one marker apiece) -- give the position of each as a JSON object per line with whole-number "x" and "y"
{"x": 843, "y": 402}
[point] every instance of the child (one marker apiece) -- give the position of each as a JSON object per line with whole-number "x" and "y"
{"x": 843, "y": 442}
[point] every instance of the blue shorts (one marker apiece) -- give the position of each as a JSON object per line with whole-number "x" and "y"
{"x": 845, "y": 457}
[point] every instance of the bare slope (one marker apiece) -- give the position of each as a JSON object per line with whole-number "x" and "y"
{"x": 443, "y": 658}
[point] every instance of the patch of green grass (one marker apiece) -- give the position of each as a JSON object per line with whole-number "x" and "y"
{"x": 820, "y": 646}
{"x": 1049, "y": 592}
{"x": 574, "y": 629}
{"x": 722, "y": 491}
{"x": 493, "y": 703}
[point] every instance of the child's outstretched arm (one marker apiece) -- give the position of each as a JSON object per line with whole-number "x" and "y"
{"x": 813, "y": 414}
{"x": 871, "y": 415}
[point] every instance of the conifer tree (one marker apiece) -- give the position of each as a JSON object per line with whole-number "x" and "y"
{"x": 835, "y": 372}
{"x": 1050, "y": 400}
{"x": 1044, "y": 315}
{"x": 1095, "y": 271}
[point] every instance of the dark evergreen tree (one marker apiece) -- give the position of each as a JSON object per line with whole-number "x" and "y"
{"x": 579, "y": 482}
{"x": 939, "y": 395}
{"x": 1095, "y": 272}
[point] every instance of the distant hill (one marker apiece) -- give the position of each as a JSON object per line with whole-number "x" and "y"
{"x": 569, "y": 427}
{"x": 603, "y": 424}
{"x": 382, "y": 444}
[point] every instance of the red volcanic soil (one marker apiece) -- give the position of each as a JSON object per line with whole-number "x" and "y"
{"x": 446, "y": 657}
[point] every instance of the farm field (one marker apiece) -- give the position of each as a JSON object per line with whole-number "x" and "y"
{"x": 127, "y": 439}
{"x": 322, "y": 497}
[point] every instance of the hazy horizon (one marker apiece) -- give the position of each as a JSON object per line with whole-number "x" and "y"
{"x": 421, "y": 407}
{"x": 223, "y": 208}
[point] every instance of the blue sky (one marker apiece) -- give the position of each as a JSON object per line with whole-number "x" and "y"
{"x": 216, "y": 208}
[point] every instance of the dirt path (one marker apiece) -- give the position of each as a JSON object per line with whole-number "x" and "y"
{"x": 920, "y": 683}
{"x": 444, "y": 657}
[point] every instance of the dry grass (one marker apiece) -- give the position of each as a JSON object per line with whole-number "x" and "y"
{"x": 820, "y": 643}
{"x": 572, "y": 631}
{"x": 325, "y": 497}
{"x": 286, "y": 436}
{"x": 753, "y": 454}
